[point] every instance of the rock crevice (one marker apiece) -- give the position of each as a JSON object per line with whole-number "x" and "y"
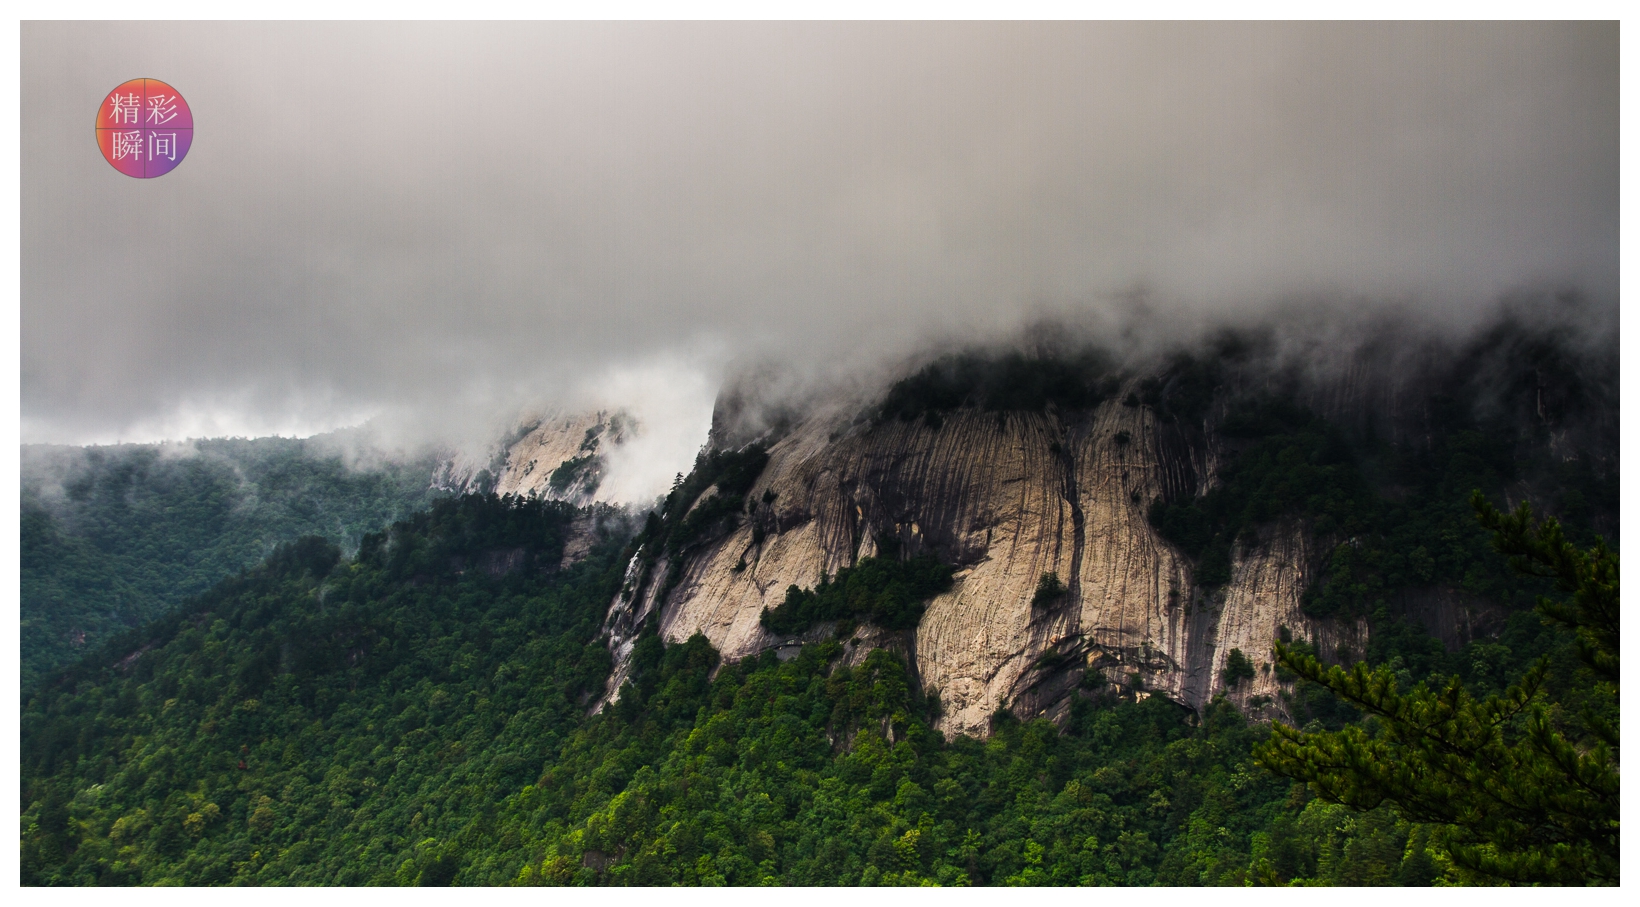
{"x": 1006, "y": 498}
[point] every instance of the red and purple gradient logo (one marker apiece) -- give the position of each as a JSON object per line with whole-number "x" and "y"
{"x": 144, "y": 128}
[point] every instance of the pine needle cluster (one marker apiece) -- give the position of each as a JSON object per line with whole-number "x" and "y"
{"x": 1523, "y": 787}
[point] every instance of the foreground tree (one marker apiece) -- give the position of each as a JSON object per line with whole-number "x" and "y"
{"x": 1521, "y": 787}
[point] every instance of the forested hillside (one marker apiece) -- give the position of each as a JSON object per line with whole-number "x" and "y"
{"x": 116, "y": 536}
{"x": 417, "y": 709}
{"x": 416, "y": 715}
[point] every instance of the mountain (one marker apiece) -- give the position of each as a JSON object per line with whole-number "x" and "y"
{"x": 1182, "y": 516}
{"x": 1005, "y": 620}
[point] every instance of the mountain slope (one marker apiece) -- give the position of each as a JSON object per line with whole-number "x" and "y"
{"x": 1193, "y": 513}
{"x": 114, "y": 537}
{"x": 310, "y": 720}
{"x": 417, "y": 716}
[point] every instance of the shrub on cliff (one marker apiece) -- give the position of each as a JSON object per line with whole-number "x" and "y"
{"x": 685, "y": 519}
{"x": 887, "y": 592}
{"x": 1013, "y": 382}
{"x": 1237, "y": 668}
{"x": 1049, "y": 590}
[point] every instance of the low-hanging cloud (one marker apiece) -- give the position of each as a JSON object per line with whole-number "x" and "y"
{"x": 670, "y": 401}
{"x": 447, "y": 224}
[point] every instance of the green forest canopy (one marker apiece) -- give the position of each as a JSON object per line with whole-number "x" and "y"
{"x": 402, "y": 718}
{"x": 408, "y": 717}
{"x": 114, "y": 537}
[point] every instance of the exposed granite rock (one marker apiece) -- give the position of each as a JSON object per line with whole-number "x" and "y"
{"x": 1007, "y": 498}
{"x": 524, "y": 464}
{"x": 1262, "y": 597}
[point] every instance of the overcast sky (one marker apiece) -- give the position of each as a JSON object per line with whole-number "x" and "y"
{"x": 449, "y": 220}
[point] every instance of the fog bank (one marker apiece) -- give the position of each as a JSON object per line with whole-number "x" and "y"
{"x": 443, "y": 226}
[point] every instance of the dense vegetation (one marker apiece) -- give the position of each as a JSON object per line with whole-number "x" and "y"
{"x": 416, "y": 716}
{"x": 1001, "y": 383}
{"x": 113, "y": 537}
{"x": 1397, "y": 517}
{"x": 885, "y": 590}
{"x": 582, "y": 473}
{"x": 813, "y": 773}
{"x": 1521, "y": 786}
{"x": 1296, "y": 466}
{"x": 314, "y": 719}
{"x": 1513, "y": 763}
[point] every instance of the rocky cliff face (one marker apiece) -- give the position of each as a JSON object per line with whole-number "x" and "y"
{"x": 1006, "y": 497}
{"x": 561, "y": 457}
{"x": 1008, "y": 492}
{"x": 1014, "y": 489}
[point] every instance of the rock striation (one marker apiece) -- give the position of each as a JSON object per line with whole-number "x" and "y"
{"x": 1015, "y": 467}
{"x": 1006, "y": 497}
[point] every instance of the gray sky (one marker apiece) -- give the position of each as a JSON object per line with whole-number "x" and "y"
{"x": 443, "y": 222}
